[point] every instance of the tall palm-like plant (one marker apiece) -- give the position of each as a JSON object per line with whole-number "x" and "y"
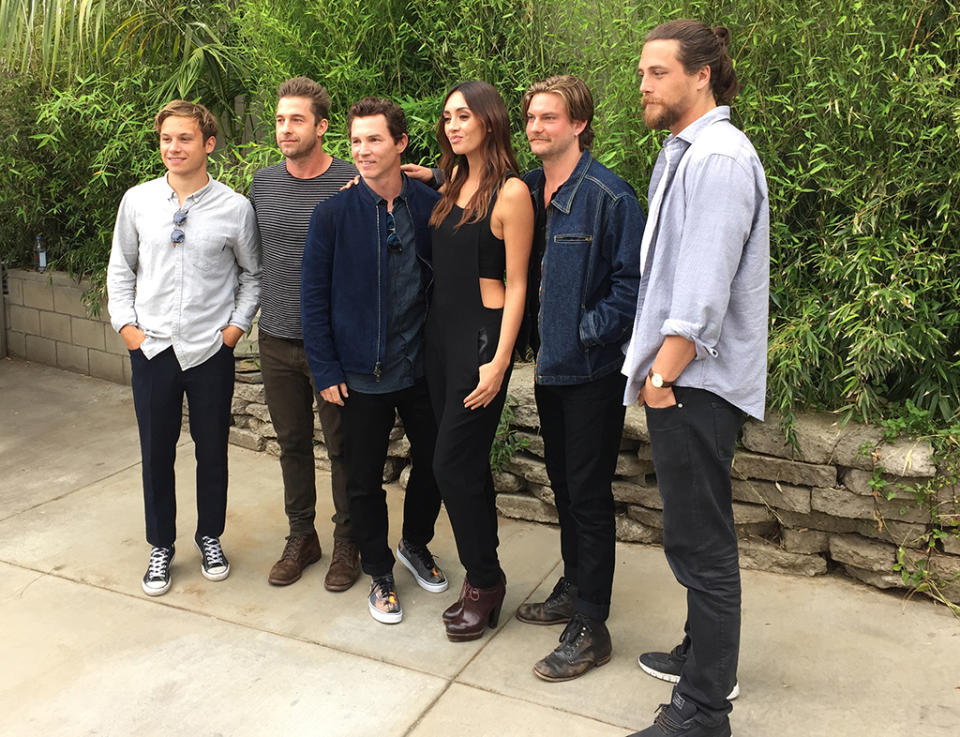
{"x": 187, "y": 39}
{"x": 41, "y": 36}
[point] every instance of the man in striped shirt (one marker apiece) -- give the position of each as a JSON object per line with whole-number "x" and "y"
{"x": 283, "y": 197}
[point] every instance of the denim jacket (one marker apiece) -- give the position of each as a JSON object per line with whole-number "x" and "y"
{"x": 589, "y": 273}
{"x": 344, "y": 292}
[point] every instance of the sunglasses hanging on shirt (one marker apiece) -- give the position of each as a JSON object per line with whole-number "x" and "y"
{"x": 179, "y": 218}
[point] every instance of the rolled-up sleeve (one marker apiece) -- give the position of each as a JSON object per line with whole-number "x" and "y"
{"x": 719, "y": 194}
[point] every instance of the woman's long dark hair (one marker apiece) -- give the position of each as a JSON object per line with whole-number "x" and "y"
{"x": 486, "y": 104}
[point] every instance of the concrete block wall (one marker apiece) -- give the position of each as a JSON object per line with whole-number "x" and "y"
{"x": 46, "y": 321}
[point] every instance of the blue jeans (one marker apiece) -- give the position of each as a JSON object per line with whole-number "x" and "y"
{"x": 693, "y": 443}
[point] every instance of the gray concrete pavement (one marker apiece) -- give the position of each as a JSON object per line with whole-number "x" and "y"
{"x": 84, "y": 652}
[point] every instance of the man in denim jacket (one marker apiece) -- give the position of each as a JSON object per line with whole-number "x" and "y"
{"x": 587, "y": 261}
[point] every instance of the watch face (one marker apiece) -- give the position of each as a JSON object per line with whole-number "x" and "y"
{"x": 657, "y": 381}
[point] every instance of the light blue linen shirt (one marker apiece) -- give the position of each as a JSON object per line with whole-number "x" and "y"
{"x": 184, "y": 295}
{"x": 706, "y": 275}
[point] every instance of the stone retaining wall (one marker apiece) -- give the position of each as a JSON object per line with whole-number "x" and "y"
{"x": 802, "y": 512}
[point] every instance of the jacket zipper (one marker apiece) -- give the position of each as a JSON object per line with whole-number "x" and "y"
{"x": 378, "y": 368}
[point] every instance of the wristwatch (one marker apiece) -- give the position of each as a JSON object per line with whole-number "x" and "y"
{"x": 658, "y": 381}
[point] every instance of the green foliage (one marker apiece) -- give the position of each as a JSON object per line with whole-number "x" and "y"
{"x": 854, "y": 108}
{"x": 507, "y": 440}
{"x": 90, "y": 143}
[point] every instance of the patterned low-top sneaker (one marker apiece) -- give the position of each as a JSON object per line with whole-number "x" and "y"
{"x": 156, "y": 580}
{"x": 421, "y": 564}
{"x": 383, "y": 602}
{"x": 213, "y": 563}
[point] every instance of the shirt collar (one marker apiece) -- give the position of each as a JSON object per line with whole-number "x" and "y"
{"x": 377, "y": 199}
{"x": 690, "y": 133}
{"x": 172, "y": 195}
{"x": 562, "y": 199}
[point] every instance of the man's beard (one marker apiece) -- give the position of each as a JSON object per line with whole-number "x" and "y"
{"x": 662, "y": 116}
{"x": 304, "y": 148}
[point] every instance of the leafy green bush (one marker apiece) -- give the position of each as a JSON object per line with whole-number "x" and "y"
{"x": 853, "y": 107}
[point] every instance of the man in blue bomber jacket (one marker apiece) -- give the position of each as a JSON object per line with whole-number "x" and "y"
{"x": 363, "y": 302}
{"x": 587, "y": 257}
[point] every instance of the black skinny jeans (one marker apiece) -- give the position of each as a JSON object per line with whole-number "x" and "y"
{"x": 158, "y": 388}
{"x": 367, "y": 421}
{"x": 581, "y": 426}
{"x": 693, "y": 443}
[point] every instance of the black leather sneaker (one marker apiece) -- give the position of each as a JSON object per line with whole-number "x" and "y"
{"x": 681, "y": 719}
{"x": 667, "y": 666}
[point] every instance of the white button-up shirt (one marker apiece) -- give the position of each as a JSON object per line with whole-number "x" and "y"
{"x": 183, "y": 295}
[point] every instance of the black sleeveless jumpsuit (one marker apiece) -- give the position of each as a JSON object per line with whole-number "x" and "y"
{"x": 462, "y": 334}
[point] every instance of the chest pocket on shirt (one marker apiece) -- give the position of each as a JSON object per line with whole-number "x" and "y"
{"x": 573, "y": 239}
{"x": 208, "y": 251}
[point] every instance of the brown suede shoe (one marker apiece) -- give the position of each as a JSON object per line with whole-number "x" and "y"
{"x": 298, "y": 553}
{"x": 344, "y": 566}
{"x": 584, "y": 644}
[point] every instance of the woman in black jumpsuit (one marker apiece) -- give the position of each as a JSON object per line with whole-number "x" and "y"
{"x": 471, "y": 328}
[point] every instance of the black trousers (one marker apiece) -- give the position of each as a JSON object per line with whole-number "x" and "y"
{"x": 367, "y": 421}
{"x": 693, "y": 444}
{"x": 158, "y": 388}
{"x": 581, "y": 426}
{"x": 462, "y": 468}
{"x": 288, "y": 385}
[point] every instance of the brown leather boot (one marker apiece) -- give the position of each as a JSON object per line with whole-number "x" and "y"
{"x": 584, "y": 644}
{"x": 480, "y": 609}
{"x": 453, "y": 611}
{"x": 344, "y": 566}
{"x": 557, "y": 609}
{"x": 299, "y": 552}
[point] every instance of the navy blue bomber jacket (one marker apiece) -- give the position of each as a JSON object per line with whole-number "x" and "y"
{"x": 343, "y": 299}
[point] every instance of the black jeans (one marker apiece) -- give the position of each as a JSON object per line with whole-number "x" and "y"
{"x": 158, "y": 388}
{"x": 581, "y": 426}
{"x": 693, "y": 443}
{"x": 367, "y": 421}
{"x": 288, "y": 385}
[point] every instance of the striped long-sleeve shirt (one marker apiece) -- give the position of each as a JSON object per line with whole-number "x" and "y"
{"x": 284, "y": 204}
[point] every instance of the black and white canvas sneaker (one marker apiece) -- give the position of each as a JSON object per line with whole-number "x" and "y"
{"x": 213, "y": 563}
{"x": 156, "y": 580}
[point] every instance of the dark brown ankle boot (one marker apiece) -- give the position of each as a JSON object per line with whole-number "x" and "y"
{"x": 479, "y": 608}
{"x": 453, "y": 611}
